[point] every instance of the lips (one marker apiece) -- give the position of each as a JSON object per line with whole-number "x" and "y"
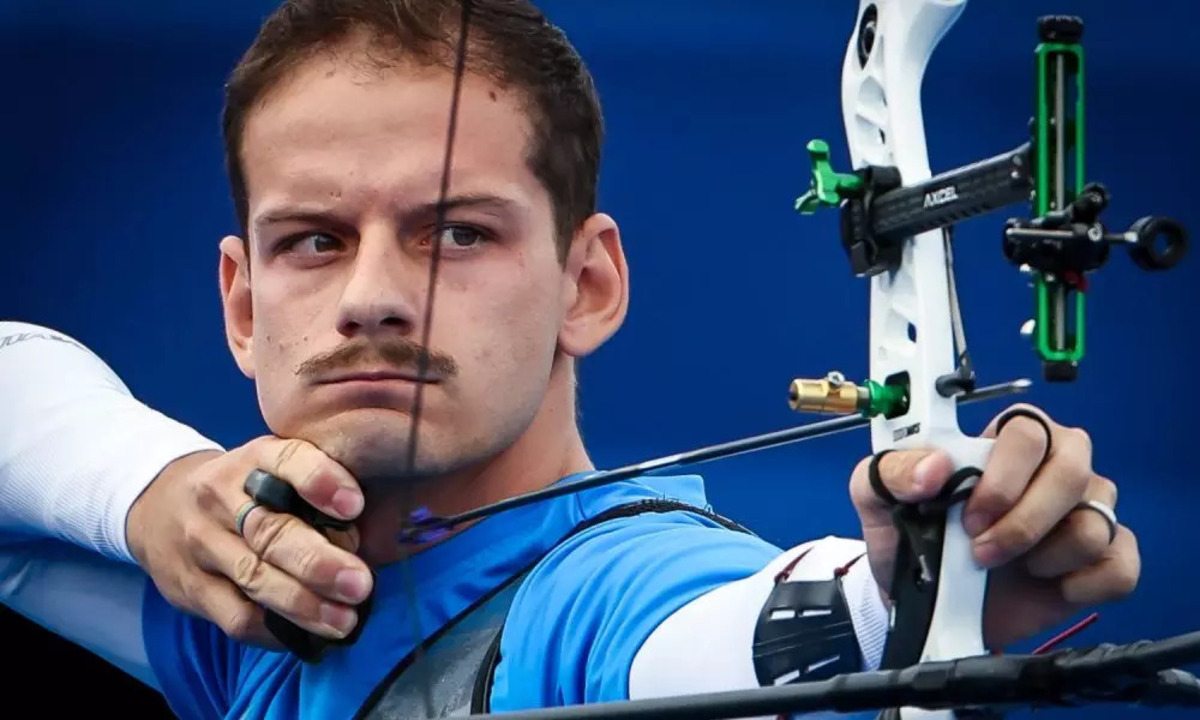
{"x": 378, "y": 376}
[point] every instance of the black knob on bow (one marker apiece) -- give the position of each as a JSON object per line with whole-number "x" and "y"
{"x": 1161, "y": 243}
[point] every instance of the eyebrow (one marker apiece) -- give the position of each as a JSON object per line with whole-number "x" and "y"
{"x": 313, "y": 214}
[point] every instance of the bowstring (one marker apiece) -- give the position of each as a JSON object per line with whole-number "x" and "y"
{"x": 407, "y": 501}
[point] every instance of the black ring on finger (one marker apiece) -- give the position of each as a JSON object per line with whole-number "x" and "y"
{"x": 279, "y": 496}
{"x": 877, "y": 481}
{"x": 1022, "y": 412}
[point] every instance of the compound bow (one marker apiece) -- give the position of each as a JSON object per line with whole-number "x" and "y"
{"x": 896, "y": 222}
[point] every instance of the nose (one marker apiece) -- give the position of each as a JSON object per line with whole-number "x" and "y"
{"x": 382, "y": 294}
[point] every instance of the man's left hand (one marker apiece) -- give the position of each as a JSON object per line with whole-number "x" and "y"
{"x": 1050, "y": 559}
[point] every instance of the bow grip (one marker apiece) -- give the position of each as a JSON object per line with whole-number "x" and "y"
{"x": 279, "y": 496}
{"x": 914, "y": 582}
{"x": 923, "y": 550}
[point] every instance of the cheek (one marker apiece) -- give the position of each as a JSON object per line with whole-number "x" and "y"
{"x": 514, "y": 327}
{"x": 531, "y": 315}
{"x": 285, "y": 325}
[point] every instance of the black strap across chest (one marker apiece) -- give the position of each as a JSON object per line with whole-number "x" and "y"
{"x": 456, "y": 664}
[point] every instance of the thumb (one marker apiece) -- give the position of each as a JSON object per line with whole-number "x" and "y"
{"x": 908, "y": 475}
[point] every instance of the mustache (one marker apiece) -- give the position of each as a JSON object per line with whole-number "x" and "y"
{"x": 397, "y": 352}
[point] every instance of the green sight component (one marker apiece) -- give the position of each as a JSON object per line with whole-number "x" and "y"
{"x": 1057, "y": 340}
{"x": 886, "y": 400}
{"x": 828, "y": 188}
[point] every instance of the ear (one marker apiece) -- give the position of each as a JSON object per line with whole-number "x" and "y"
{"x": 237, "y": 303}
{"x": 597, "y": 291}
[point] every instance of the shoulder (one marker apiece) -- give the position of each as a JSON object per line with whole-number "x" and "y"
{"x": 692, "y": 542}
{"x": 622, "y": 562}
{"x": 583, "y": 611}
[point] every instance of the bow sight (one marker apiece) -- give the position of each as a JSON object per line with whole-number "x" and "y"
{"x": 1057, "y": 247}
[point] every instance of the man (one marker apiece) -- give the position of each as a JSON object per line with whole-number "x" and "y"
{"x": 336, "y": 132}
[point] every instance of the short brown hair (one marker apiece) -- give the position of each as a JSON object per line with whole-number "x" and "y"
{"x": 511, "y": 43}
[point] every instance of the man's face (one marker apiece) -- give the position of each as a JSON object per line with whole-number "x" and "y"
{"x": 344, "y": 163}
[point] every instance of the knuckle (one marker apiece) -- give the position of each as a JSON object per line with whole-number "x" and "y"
{"x": 190, "y": 589}
{"x": 1108, "y": 488}
{"x": 191, "y": 534}
{"x": 309, "y": 479}
{"x": 240, "y": 623}
{"x": 268, "y": 528}
{"x": 1027, "y": 431}
{"x": 307, "y": 561}
{"x": 1025, "y": 407}
{"x": 180, "y": 597}
{"x": 1091, "y": 534}
{"x": 293, "y": 601}
{"x": 1081, "y": 439}
{"x": 901, "y": 464}
{"x": 287, "y": 450}
{"x": 1016, "y": 420}
{"x": 258, "y": 444}
{"x": 1019, "y": 533}
{"x": 1077, "y": 479}
{"x": 203, "y": 490}
{"x": 994, "y": 499}
{"x": 1132, "y": 565}
{"x": 860, "y": 488}
{"x": 248, "y": 572}
{"x": 1124, "y": 569}
{"x": 1124, "y": 579}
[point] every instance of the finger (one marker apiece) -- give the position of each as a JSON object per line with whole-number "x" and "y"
{"x": 303, "y": 553}
{"x": 1055, "y": 490}
{"x": 1080, "y": 540}
{"x": 909, "y": 475}
{"x": 220, "y": 601}
{"x": 271, "y": 588}
{"x": 347, "y": 540}
{"x": 993, "y": 428}
{"x": 1112, "y": 578}
{"x": 325, "y": 484}
{"x": 1016, "y": 455}
{"x": 1019, "y": 606}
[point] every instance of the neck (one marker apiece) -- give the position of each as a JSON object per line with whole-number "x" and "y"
{"x": 549, "y": 449}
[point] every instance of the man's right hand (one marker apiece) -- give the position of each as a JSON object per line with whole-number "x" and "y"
{"x": 182, "y": 532}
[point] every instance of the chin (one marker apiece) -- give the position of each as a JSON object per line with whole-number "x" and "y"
{"x": 371, "y": 443}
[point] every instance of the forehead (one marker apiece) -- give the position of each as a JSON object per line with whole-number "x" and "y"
{"x": 341, "y": 126}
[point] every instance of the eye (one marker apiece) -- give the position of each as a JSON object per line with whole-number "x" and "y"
{"x": 311, "y": 244}
{"x": 460, "y": 236}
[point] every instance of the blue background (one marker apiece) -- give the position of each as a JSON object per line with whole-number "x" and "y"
{"x": 116, "y": 197}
